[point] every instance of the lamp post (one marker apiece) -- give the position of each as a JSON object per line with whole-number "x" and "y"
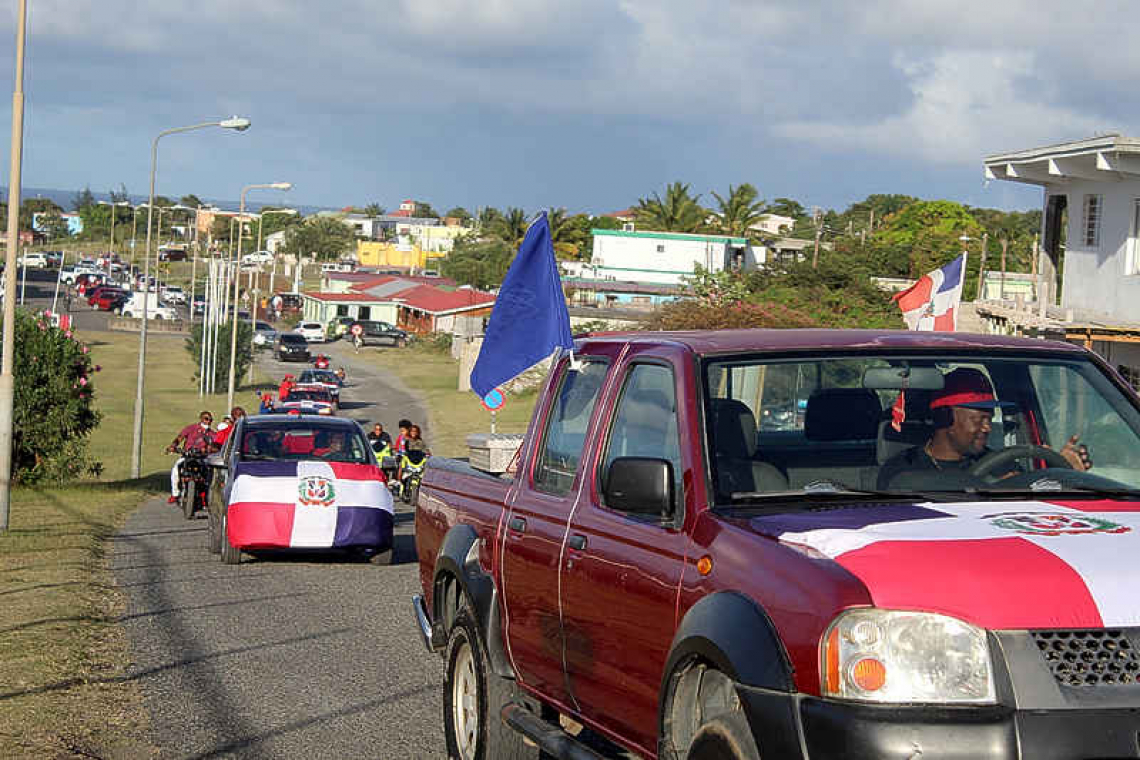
{"x": 7, "y": 362}
{"x": 236, "y": 123}
{"x": 237, "y": 284}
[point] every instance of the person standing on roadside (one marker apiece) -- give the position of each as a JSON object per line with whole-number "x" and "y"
{"x": 223, "y": 434}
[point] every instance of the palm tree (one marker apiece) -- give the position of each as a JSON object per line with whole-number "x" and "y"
{"x": 677, "y": 212}
{"x": 511, "y": 227}
{"x": 567, "y": 233}
{"x": 739, "y": 211}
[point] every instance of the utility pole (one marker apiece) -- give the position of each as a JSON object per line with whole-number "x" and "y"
{"x": 1004, "y": 247}
{"x": 7, "y": 363}
{"x": 818, "y": 232}
{"x": 982, "y": 265}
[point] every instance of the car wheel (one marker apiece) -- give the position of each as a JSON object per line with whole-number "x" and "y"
{"x": 472, "y": 699}
{"x": 725, "y": 737}
{"x": 213, "y": 533}
{"x": 230, "y": 554}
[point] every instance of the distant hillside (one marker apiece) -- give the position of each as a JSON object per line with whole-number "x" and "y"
{"x": 66, "y": 198}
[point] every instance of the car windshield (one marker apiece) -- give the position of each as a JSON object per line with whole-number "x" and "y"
{"x": 895, "y": 424}
{"x": 297, "y": 440}
{"x": 292, "y": 339}
{"x": 318, "y": 376}
{"x": 309, "y": 394}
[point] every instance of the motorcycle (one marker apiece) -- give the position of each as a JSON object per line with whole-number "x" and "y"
{"x": 412, "y": 470}
{"x": 195, "y": 480}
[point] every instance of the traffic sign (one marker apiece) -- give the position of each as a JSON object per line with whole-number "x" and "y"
{"x": 357, "y": 329}
{"x": 493, "y": 401}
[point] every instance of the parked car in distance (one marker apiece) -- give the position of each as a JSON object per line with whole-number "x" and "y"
{"x": 314, "y": 332}
{"x": 291, "y": 347}
{"x": 264, "y": 334}
{"x": 70, "y": 273}
{"x": 337, "y": 266}
{"x": 338, "y": 327}
{"x": 172, "y": 294}
{"x": 34, "y": 260}
{"x": 199, "y": 306}
{"x": 376, "y": 332}
{"x": 257, "y": 257}
{"x": 171, "y": 254}
{"x": 104, "y": 296}
{"x": 133, "y": 308}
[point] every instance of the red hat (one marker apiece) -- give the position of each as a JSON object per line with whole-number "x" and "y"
{"x": 288, "y": 377}
{"x": 965, "y": 387}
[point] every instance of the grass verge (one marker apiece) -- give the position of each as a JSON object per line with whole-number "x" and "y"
{"x": 452, "y": 414}
{"x": 64, "y": 690}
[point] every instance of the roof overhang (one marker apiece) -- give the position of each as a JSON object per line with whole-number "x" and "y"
{"x": 1107, "y": 158}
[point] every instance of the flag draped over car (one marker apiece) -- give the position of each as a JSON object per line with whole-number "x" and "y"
{"x": 308, "y": 505}
{"x": 529, "y": 319}
{"x": 1027, "y": 564}
{"x": 931, "y": 304}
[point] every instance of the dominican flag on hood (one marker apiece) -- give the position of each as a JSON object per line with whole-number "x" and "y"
{"x": 931, "y": 304}
{"x": 998, "y": 565}
{"x": 308, "y": 505}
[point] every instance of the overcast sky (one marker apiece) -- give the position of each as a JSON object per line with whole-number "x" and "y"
{"x": 587, "y": 104}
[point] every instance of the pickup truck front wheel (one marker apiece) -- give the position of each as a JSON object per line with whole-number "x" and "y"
{"x": 472, "y": 699}
{"x": 725, "y": 737}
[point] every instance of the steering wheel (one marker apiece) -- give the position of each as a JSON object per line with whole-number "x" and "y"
{"x": 995, "y": 459}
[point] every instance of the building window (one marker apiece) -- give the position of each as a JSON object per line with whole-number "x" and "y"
{"x": 661, "y": 248}
{"x": 1092, "y": 220}
{"x": 1132, "y": 248}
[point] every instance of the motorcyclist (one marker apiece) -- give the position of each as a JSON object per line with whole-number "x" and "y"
{"x": 415, "y": 451}
{"x": 194, "y": 437}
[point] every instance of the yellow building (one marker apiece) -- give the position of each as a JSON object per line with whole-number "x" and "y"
{"x": 370, "y": 253}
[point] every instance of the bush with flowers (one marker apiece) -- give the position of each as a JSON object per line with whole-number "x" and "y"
{"x": 54, "y": 408}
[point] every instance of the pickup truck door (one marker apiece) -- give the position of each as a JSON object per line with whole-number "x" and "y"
{"x": 535, "y": 526}
{"x": 621, "y": 572}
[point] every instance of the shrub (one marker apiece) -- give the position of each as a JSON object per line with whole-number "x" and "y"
{"x": 698, "y": 315}
{"x": 54, "y": 402}
{"x": 222, "y": 369}
{"x": 437, "y": 342}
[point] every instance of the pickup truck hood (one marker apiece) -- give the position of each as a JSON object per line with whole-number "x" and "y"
{"x": 1000, "y": 565}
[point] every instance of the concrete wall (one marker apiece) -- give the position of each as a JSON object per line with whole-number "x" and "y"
{"x": 1094, "y": 276}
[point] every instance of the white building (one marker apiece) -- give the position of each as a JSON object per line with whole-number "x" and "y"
{"x": 665, "y": 257}
{"x": 774, "y": 224}
{"x": 1091, "y": 204}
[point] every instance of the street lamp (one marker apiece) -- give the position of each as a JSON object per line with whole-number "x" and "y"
{"x": 236, "y": 123}
{"x": 237, "y": 284}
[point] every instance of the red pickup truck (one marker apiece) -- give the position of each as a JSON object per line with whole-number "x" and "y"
{"x": 802, "y": 543}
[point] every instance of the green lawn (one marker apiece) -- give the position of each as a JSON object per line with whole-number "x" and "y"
{"x": 451, "y": 414}
{"x": 62, "y": 690}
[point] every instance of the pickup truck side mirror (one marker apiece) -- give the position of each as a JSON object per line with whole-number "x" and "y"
{"x": 640, "y": 485}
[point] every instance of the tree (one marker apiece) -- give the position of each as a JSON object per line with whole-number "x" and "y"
{"x": 786, "y": 207}
{"x": 425, "y": 211}
{"x": 923, "y": 237}
{"x": 374, "y": 209}
{"x": 324, "y": 237}
{"x": 511, "y": 227}
{"x": 677, "y": 212}
{"x": 568, "y": 234}
{"x": 739, "y": 211}
{"x": 459, "y": 213}
{"x": 241, "y": 360}
{"x": 54, "y": 408}
{"x": 479, "y": 263}
{"x": 488, "y": 217}
{"x": 83, "y": 199}
{"x": 120, "y": 195}
{"x": 191, "y": 200}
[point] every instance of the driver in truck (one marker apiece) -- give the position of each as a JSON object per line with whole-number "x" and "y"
{"x": 962, "y": 413}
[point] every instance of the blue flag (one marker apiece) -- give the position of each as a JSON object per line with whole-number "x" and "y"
{"x": 529, "y": 319}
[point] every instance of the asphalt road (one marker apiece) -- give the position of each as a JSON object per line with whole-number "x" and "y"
{"x": 291, "y": 657}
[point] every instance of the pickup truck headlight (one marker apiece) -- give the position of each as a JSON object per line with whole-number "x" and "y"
{"x": 876, "y": 655}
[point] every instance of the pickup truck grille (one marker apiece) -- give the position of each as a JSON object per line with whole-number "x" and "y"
{"x": 1085, "y": 659}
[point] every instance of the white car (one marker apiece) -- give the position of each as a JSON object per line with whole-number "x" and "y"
{"x": 172, "y": 294}
{"x": 312, "y": 332}
{"x": 154, "y": 310}
{"x": 257, "y": 257}
{"x": 35, "y": 260}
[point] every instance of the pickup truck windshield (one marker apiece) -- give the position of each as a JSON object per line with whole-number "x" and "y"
{"x": 899, "y": 424}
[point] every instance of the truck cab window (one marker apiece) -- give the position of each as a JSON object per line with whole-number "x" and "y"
{"x": 565, "y": 434}
{"x": 645, "y": 423}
